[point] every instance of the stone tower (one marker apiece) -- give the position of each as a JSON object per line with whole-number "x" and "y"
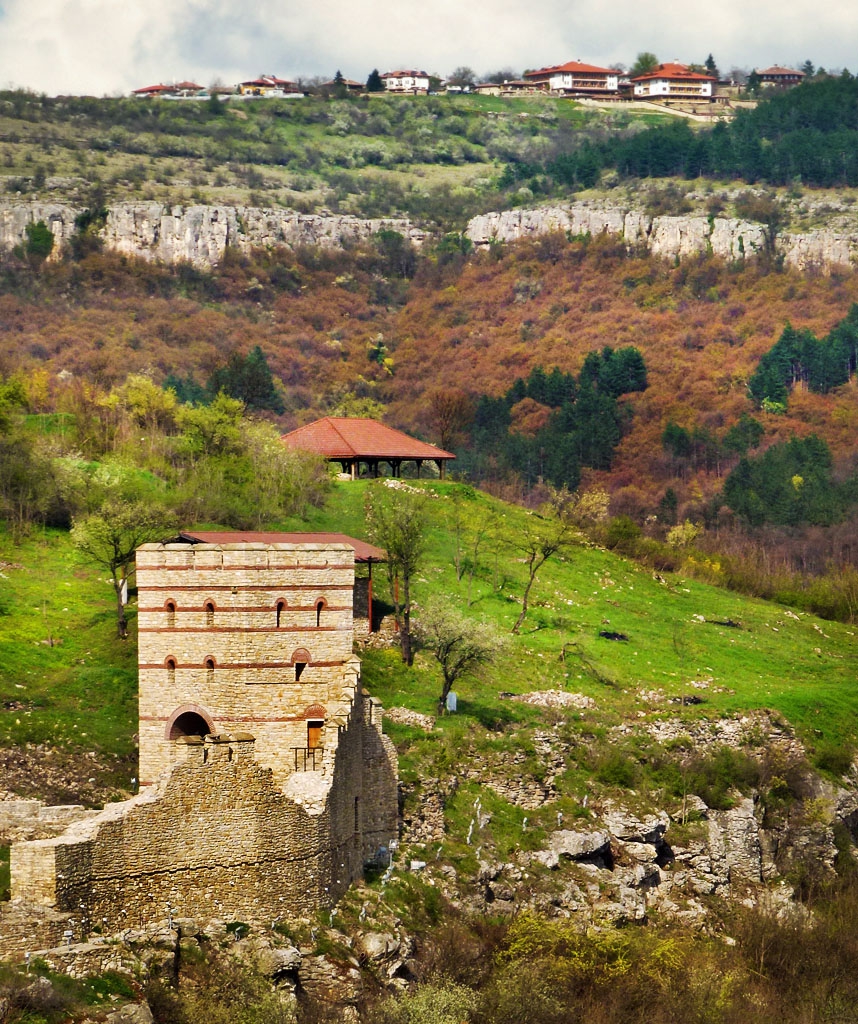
{"x": 267, "y": 780}
{"x": 245, "y": 637}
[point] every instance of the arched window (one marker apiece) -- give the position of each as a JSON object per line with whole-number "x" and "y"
{"x": 300, "y": 659}
{"x": 210, "y": 667}
{"x": 170, "y": 609}
{"x": 320, "y": 604}
{"x": 209, "y": 610}
{"x": 170, "y": 665}
{"x": 281, "y": 609}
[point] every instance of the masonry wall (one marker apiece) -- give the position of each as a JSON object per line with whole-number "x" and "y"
{"x": 217, "y": 839}
{"x": 256, "y": 683}
{"x": 233, "y": 826}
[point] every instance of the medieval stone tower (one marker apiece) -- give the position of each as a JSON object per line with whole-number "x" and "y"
{"x": 250, "y": 638}
{"x": 267, "y": 782}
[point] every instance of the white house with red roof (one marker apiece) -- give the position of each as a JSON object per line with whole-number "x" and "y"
{"x": 179, "y": 90}
{"x": 406, "y": 81}
{"x": 674, "y": 81}
{"x": 270, "y": 86}
{"x": 575, "y": 78}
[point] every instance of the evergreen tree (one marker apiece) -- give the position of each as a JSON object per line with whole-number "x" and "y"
{"x": 374, "y": 82}
{"x": 249, "y": 379}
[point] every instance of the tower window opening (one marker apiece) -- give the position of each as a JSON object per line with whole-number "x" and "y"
{"x": 209, "y": 610}
{"x": 170, "y": 609}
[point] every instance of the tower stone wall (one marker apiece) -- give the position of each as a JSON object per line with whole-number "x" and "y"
{"x": 267, "y": 780}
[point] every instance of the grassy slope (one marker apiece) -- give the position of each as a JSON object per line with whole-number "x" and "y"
{"x": 76, "y": 700}
{"x": 80, "y": 692}
{"x": 272, "y": 152}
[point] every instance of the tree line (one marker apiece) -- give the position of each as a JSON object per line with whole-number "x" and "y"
{"x": 808, "y": 133}
{"x": 800, "y": 358}
{"x": 548, "y": 425}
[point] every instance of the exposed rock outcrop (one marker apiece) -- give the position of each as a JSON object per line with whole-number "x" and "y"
{"x": 670, "y": 237}
{"x": 195, "y": 234}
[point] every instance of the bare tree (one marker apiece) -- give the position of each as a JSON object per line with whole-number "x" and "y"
{"x": 462, "y": 77}
{"x": 459, "y": 645}
{"x": 397, "y": 519}
{"x": 450, "y": 413}
{"x": 543, "y": 536}
{"x": 110, "y": 538}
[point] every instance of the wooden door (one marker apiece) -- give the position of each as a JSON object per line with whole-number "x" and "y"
{"x": 314, "y": 734}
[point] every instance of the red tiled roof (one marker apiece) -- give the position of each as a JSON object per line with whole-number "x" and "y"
{"x": 574, "y": 67}
{"x": 188, "y": 86}
{"x": 363, "y": 552}
{"x": 675, "y": 72}
{"x": 270, "y": 82}
{"x": 153, "y": 89}
{"x": 776, "y": 70}
{"x": 404, "y": 74}
{"x": 339, "y": 437}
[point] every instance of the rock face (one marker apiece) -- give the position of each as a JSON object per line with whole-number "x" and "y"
{"x": 195, "y": 234}
{"x": 669, "y": 237}
{"x": 200, "y": 234}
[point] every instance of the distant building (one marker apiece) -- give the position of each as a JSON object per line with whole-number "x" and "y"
{"x": 779, "y": 77}
{"x": 511, "y": 87}
{"x": 575, "y": 79}
{"x": 356, "y": 443}
{"x": 406, "y": 81}
{"x": 179, "y": 90}
{"x": 351, "y": 87}
{"x": 674, "y": 81}
{"x": 270, "y": 86}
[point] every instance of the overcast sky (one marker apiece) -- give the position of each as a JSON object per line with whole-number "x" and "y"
{"x": 112, "y": 46}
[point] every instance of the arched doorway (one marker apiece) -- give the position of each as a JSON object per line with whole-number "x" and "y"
{"x": 189, "y": 721}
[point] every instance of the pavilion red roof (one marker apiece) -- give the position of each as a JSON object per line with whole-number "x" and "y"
{"x": 364, "y": 552}
{"x": 340, "y": 437}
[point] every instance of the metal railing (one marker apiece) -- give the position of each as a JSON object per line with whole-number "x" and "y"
{"x": 308, "y": 759}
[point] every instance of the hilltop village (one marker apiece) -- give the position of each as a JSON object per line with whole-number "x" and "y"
{"x": 671, "y": 83}
{"x": 427, "y": 564}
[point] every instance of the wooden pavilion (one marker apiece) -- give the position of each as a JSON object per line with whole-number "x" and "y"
{"x": 356, "y": 443}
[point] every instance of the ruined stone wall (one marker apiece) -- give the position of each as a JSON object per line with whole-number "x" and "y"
{"x": 256, "y": 684}
{"x": 216, "y": 839}
{"x": 234, "y": 827}
{"x": 380, "y": 802}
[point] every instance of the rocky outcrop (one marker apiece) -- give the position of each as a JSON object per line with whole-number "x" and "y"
{"x": 669, "y": 237}
{"x": 198, "y": 235}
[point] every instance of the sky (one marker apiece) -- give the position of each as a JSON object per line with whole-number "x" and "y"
{"x": 108, "y": 47}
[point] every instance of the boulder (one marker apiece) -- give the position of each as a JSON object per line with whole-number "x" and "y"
{"x": 580, "y": 845}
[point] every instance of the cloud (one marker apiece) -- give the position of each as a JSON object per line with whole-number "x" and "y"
{"x": 107, "y": 46}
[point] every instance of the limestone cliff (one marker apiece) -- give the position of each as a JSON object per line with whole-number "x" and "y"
{"x": 670, "y": 237}
{"x": 201, "y": 234}
{"x": 196, "y": 234}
